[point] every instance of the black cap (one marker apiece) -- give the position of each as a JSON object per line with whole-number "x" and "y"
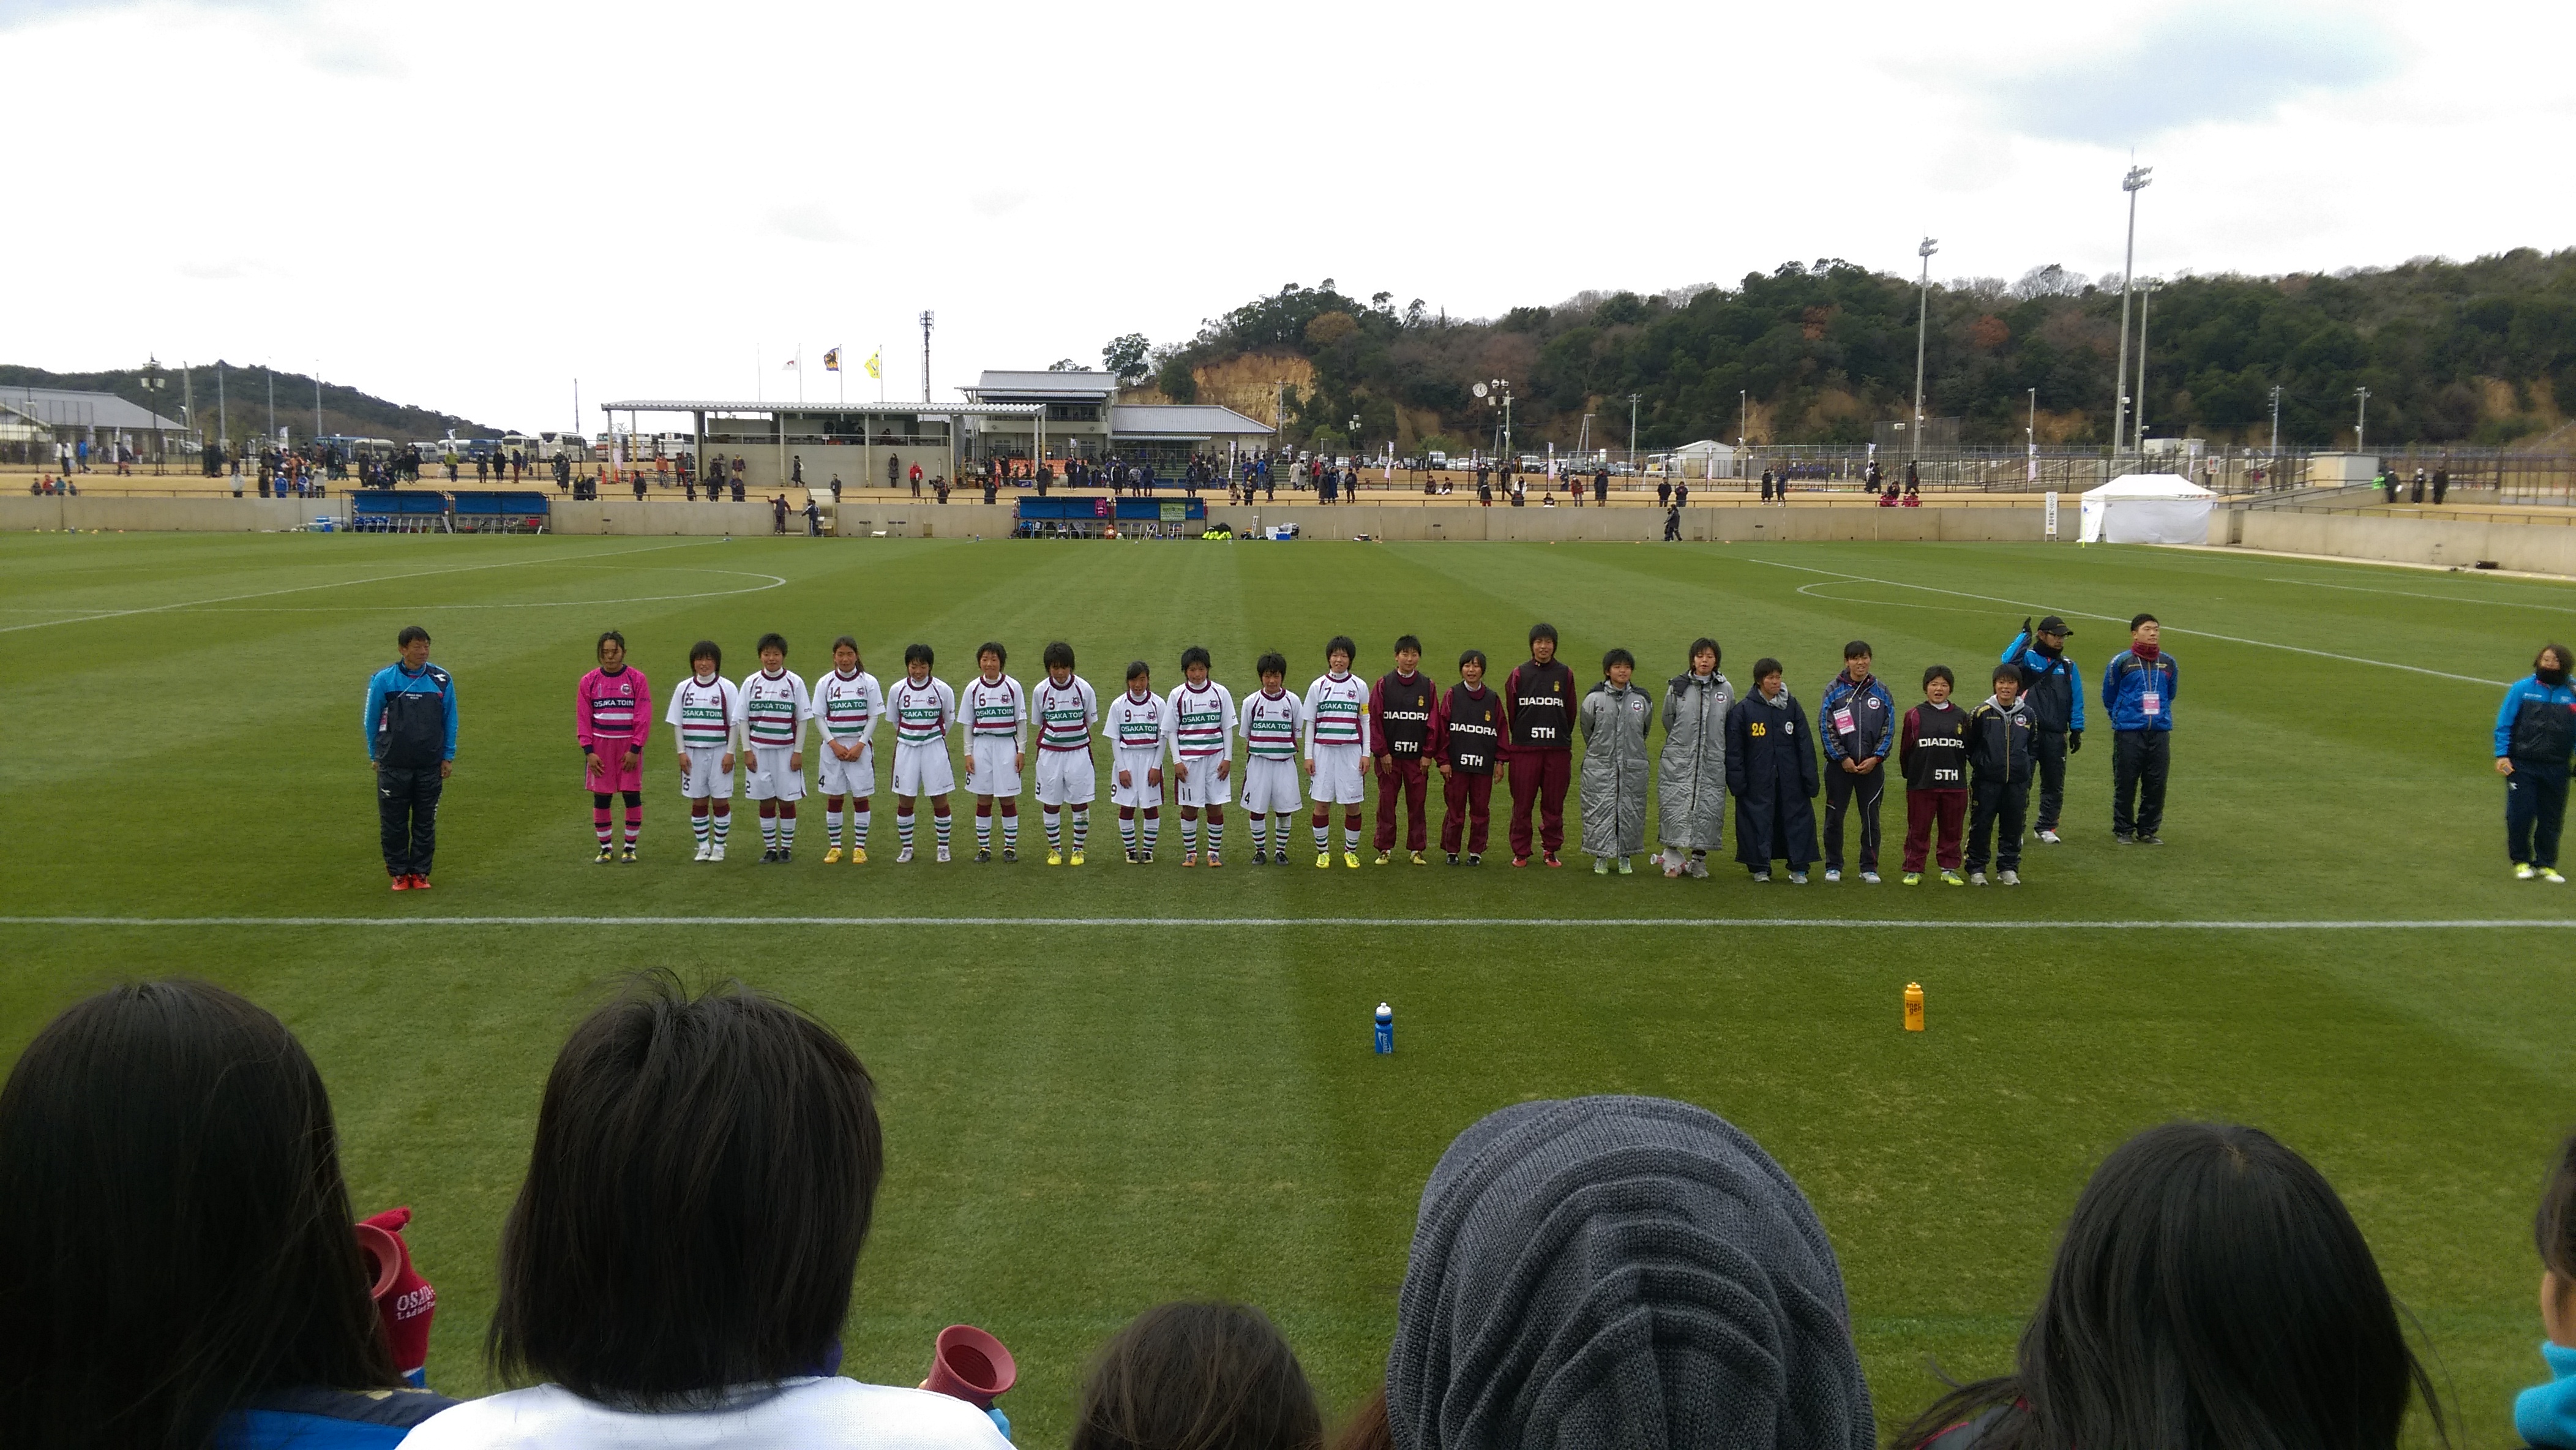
{"x": 2054, "y": 625}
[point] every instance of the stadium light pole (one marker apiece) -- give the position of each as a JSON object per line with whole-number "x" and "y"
{"x": 2030, "y": 435}
{"x": 2138, "y": 411}
{"x": 2135, "y": 182}
{"x": 1632, "y": 434}
{"x": 926, "y": 319}
{"x": 2276, "y": 423}
{"x": 1922, "y": 327}
{"x": 2361, "y": 420}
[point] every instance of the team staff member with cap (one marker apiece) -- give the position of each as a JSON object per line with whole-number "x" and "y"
{"x": 2054, "y": 690}
{"x": 2535, "y": 735}
{"x": 2138, "y": 689}
{"x": 411, "y": 740}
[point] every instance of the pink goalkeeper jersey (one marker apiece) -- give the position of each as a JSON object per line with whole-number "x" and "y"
{"x": 613, "y": 709}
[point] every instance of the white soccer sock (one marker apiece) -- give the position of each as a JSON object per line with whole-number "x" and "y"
{"x": 1153, "y": 828}
{"x": 1323, "y": 837}
{"x": 1216, "y": 837}
{"x": 903, "y": 828}
{"x": 1054, "y": 827}
{"x": 1351, "y": 833}
{"x": 1081, "y": 826}
{"x": 1010, "y": 833}
{"x": 859, "y": 829}
{"x": 832, "y": 828}
{"x": 786, "y": 833}
{"x": 769, "y": 833}
{"x": 723, "y": 824}
{"x": 983, "y": 833}
{"x": 1260, "y": 834}
{"x": 939, "y": 824}
{"x": 698, "y": 828}
{"x": 1127, "y": 831}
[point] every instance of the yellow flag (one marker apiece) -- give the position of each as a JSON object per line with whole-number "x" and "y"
{"x": 875, "y": 370}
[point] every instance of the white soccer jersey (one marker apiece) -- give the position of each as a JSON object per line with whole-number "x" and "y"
{"x": 1202, "y": 722}
{"x": 774, "y": 710}
{"x": 708, "y": 716}
{"x": 1270, "y": 725}
{"x": 1137, "y": 724}
{"x": 1065, "y": 714}
{"x": 994, "y": 710}
{"x": 847, "y": 707}
{"x": 1336, "y": 713}
{"x": 923, "y": 713}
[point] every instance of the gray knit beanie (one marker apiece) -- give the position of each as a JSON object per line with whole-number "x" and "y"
{"x": 1620, "y": 1272}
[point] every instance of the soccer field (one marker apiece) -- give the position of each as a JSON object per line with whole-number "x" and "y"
{"x": 1111, "y": 1086}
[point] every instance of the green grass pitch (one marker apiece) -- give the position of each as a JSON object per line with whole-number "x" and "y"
{"x": 1083, "y": 1119}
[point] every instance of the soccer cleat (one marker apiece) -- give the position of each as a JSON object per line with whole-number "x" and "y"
{"x": 403, "y": 883}
{"x": 1416, "y": 858}
{"x": 1189, "y": 859}
{"x": 1761, "y": 878}
{"x": 832, "y": 857}
{"x": 1797, "y": 878}
{"x": 2009, "y": 878}
{"x": 1833, "y": 873}
{"x": 2150, "y": 838}
{"x": 1054, "y": 856}
{"x": 1351, "y": 859}
{"x": 903, "y": 857}
{"x": 942, "y": 857}
{"x": 2120, "y": 838}
{"x": 1475, "y": 858}
{"x": 1213, "y": 862}
{"x": 783, "y": 853}
{"x": 2050, "y": 837}
{"x": 1148, "y": 856}
{"x": 2547, "y": 873}
{"x": 1912, "y": 878}
{"x": 1552, "y": 862}
{"x": 1976, "y": 878}
{"x": 419, "y": 882}
{"x": 769, "y": 856}
{"x": 1074, "y": 860}
{"x": 858, "y": 855}
{"x": 630, "y": 856}
{"x": 1323, "y": 860}
{"x": 1869, "y": 877}
{"x": 1627, "y": 867}
{"x": 706, "y": 852}
{"x": 1010, "y": 855}
{"x": 1519, "y": 861}
{"x": 1952, "y": 878}
{"x": 1600, "y": 865}
{"x": 1386, "y": 858}
{"x": 607, "y": 853}
{"x": 2521, "y": 871}
{"x": 1131, "y": 856}
{"x": 1452, "y": 855}
{"x": 984, "y": 856}
{"x": 715, "y": 853}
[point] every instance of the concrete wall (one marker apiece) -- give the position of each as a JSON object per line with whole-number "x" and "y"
{"x": 657, "y": 516}
{"x": 1567, "y": 525}
{"x": 2534, "y": 548}
{"x": 165, "y": 515}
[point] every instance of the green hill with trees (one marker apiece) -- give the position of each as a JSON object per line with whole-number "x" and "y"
{"x": 2479, "y": 352}
{"x": 345, "y": 410}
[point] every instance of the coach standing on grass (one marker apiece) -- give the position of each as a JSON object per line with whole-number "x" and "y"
{"x": 2050, "y": 682}
{"x": 2138, "y": 691}
{"x": 411, "y": 739}
{"x": 2535, "y": 734}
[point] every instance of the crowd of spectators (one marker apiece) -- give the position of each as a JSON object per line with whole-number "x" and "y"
{"x": 178, "y": 1268}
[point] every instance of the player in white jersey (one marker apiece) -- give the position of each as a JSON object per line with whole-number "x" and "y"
{"x": 1270, "y": 719}
{"x": 995, "y": 712}
{"x": 1066, "y": 710}
{"x": 706, "y": 718}
{"x": 847, "y": 706}
{"x": 775, "y": 708}
{"x": 1137, "y": 723}
{"x": 1337, "y": 747}
{"x": 1201, "y": 727}
{"x": 924, "y": 710}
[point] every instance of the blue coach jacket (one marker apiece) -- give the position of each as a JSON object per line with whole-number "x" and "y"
{"x": 2537, "y": 722}
{"x": 2127, "y": 681}
{"x": 392, "y": 681}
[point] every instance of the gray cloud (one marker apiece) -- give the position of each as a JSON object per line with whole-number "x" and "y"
{"x": 2206, "y": 63}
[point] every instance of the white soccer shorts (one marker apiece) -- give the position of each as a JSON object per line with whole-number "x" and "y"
{"x": 700, "y": 780}
{"x": 1340, "y": 775}
{"x": 921, "y": 770}
{"x": 1204, "y": 786}
{"x": 1138, "y": 764}
{"x": 1065, "y": 778}
{"x": 994, "y": 774}
{"x": 769, "y": 777}
{"x": 1270, "y": 787}
{"x": 849, "y": 777}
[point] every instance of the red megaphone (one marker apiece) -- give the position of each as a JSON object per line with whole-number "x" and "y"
{"x": 968, "y": 1364}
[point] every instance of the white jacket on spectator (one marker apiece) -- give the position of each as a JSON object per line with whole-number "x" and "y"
{"x": 801, "y": 1414}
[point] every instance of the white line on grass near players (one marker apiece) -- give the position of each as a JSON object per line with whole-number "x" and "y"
{"x": 336, "y": 584}
{"x": 2560, "y": 607}
{"x": 2145, "y": 924}
{"x": 775, "y": 582}
{"x": 2115, "y": 619}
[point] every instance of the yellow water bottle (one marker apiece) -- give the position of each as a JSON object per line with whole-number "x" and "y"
{"x": 1913, "y": 1006}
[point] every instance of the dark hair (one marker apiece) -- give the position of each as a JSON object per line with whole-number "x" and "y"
{"x": 1139, "y": 670}
{"x": 1858, "y": 648}
{"x": 1367, "y": 1428}
{"x": 1542, "y": 630}
{"x": 2007, "y": 671}
{"x": 2564, "y": 658}
{"x": 1617, "y": 657}
{"x": 174, "y": 1231}
{"x": 2554, "y": 1228}
{"x": 771, "y": 641}
{"x": 706, "y": 649}
{"x": 1195, "y": 1376}
{"x": 1939, "y": 672}
{"x": 917, "y": 654}
{"x": 2210, "y": 1289}
{"x": 1195, "y": 655}
{"x": 1340, "y": 644}
{"x": 845, "y": 640}
{"x": 409, "y": 633}
{"x": 1057, "y": 653}
{"x": 2136, "y": 620}
{"x": 1405, "y": 642}
{"x": 1764, "y": 668}
{"x": 604, "y": 637}
{"x": 1465, "y": 655}
{"x": 1705, "y": 643}
{"x": 1272, "y": 663}
{"x": 994, "y": 648}
{"x": 700, "y": 1184}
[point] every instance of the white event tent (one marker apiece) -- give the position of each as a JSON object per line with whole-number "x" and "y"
{"x": 2146, "y": 508}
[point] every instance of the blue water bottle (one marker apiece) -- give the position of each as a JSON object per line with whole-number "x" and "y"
{"x": 1385, "y": 1029}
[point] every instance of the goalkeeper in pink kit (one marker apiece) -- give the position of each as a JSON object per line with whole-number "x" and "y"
{"x": 612, "y": 713}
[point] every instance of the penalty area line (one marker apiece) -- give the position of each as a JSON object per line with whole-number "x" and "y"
{"x": 1577, "y": 922}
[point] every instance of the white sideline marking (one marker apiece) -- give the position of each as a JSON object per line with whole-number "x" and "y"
{"x": 2560, "y": 607}
{"x": 336, "y": 584}
{"x": 775, "y": 582}
{"x": 2115, "y": 619}
{"x": 1861, "y": 923}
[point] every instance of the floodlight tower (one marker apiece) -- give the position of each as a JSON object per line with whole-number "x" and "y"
{"x": 1922, "y": 326}
{"x": 926, "y": 319}
{"x": 2133, "y": 183}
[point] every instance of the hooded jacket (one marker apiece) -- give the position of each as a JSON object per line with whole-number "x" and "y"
{"x": 1690, "y": 785}
{"x": 1614, "y": 721}
{"x": 2052, "y": 684}
{"x": 1999, "y": 742}
{"x": 2536, "y": 725}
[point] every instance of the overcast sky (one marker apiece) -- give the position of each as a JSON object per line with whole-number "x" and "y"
{"x": 470, "y": 204}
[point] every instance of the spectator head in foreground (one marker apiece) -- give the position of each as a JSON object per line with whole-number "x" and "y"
{"x": 175, "y": 1242}
{"x": 1197, "y": 1376}
{"x": 1620, "y": 1271}
{"x": 2545, "y": 1414}
{"x": 2210, "y": 1290}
